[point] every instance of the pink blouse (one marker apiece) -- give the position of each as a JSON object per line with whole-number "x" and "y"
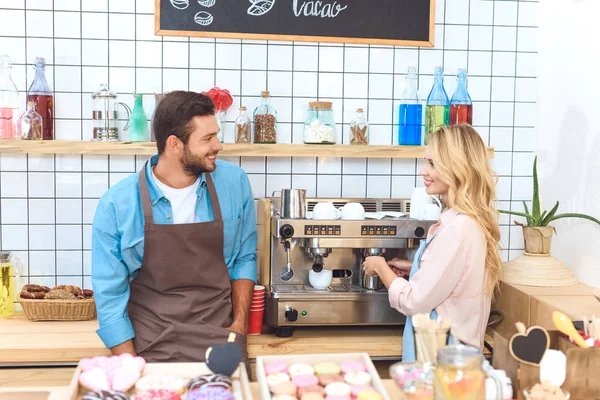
{"x": 451, "y": 279}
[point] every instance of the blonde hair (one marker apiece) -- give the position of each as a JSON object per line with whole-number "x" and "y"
{"x": 461, "y": 161}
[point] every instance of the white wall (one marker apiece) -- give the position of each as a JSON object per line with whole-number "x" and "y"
{"x": 568, "y": 137}
{"x": 47, "y": 202}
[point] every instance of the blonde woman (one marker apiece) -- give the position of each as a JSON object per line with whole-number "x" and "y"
{"x": 456, "y": 269}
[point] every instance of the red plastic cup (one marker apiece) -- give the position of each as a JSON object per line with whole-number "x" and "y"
{"x": 259, "y": 288}
{"x": 255, "y": 323}
{"x": 257, "y": 306}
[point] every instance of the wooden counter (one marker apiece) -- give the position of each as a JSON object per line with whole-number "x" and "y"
{"x": 24, "y": 342}
{"x": 55, "y": 380}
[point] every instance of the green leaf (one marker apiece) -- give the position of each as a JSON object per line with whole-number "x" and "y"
{"x": 546, "y": 221}
{"x": 529, "y": 220}
{"x": 574, "y": 215}
{"x": 536, "y": 195}
{"x": 518, "y": 214}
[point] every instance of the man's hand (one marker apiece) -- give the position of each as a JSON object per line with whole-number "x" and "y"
{"x": 240, "y": 327}
{"x": 125, "y": 347}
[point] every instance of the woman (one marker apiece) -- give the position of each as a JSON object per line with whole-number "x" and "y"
{"x": 455, "y": 271}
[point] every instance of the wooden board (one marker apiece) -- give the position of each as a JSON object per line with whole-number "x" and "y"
{"x": 241, "y": 383}
{"x": 386, "y": 22}
{"x": 313, "y": 359}
{"x": 229, "y": 149}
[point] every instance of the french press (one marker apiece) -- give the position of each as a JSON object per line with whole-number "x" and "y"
{"x": 105, "y": 115}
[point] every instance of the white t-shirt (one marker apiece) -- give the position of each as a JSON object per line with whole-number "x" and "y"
{"x": 183, "y": 201}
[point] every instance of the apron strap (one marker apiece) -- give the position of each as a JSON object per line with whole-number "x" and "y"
{"x": 145, "y": 196}
{"x": 214, "y": 199}
{"x": 147, "y": 207}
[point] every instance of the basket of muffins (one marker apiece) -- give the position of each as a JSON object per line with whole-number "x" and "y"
{"x": 126, "y": 377}
{"x": 60, "y": 303}
{"x": 319, "y": 377}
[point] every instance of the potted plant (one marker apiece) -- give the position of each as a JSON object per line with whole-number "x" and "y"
{"x": 537, "y": 233}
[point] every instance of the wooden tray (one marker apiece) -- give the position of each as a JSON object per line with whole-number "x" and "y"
{"x": 313, "y": 359}
{"x": 241, "y": 384}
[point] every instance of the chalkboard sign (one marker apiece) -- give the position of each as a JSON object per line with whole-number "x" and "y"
{"x": 388, "y": 22}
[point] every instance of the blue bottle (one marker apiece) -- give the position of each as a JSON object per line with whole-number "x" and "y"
{"x": 411, "y": 112}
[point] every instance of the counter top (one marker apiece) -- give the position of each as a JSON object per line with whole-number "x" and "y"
{"x": 66, "y": 342}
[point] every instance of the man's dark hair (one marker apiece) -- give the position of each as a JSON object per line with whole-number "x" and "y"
{"x": 174, "y": 115}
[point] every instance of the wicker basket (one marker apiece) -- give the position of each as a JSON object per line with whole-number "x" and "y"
{"x": 59, "y": 310}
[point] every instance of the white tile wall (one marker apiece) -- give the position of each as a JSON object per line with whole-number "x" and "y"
{"x": 47, "y": 203}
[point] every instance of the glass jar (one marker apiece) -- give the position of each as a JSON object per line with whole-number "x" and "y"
{"x": 242, "y": 127}
{"x": 359, "y": 128}
{"x": 459, "y": 374}
{"x": 319, "y": 127}
{"x": 10, "y": 266}
{"x": 31, "y": 123}
{"x": 265, "y": 121}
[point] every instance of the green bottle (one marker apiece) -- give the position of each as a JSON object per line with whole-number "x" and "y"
{"x": 138, "y": 122}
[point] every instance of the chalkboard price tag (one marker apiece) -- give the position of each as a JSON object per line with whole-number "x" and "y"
{"x": 386, "y": 22}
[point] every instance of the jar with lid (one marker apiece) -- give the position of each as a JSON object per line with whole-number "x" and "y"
{"x": 242, "y": 127}
{"x": 319, "y": 127}
{"x": 460, "y": 375}
{"x": 359, "y": 128}
{"x": 265, "y": 121}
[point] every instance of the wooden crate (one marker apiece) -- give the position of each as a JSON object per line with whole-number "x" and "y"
{"x": 241, "y": 384}
{"x": 582, "y": 367}
{"x": 313, "y": 359}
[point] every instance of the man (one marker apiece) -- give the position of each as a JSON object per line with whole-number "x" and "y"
{"x": 174, "y": 246}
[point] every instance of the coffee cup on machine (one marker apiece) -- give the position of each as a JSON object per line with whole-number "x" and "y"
{"x": 352, "y": 211}
{"x": 325, "y": 210}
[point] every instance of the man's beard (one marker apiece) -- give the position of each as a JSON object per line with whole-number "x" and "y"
{"x": 194, "y": 165}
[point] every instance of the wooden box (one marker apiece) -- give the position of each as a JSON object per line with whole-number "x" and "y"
{"x": 241, "y": 384}
{"x": 583, "y": 367}
{"x": 313, "y": 359}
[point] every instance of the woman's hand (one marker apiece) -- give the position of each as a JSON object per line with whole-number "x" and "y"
{"x": 400, "y": 267}
{"x": 374, "y": 265}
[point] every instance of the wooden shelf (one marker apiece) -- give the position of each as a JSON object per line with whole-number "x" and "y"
{"x": 230, "y": 149}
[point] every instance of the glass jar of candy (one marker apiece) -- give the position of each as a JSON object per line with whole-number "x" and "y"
{"x": 319, "y": 127}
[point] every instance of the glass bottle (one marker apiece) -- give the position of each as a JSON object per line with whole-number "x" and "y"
{"x": 9, "y": 102}
{"x": 319, "y": 126}
{"x": 461, "y": 106}
{"x": 265, "y": 121}
{"x": 31, "y": 123}
{"x": 157, "y": 98}
{"x": 41, "y": 94}
{"x": 138, "y": 121}
{"x": 437, "y": 112}
{"x": 359, "y": 128}
{"x": 410, "y": 126}
{"x": 242, "y": 127}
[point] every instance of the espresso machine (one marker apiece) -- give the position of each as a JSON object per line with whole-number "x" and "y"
{"x": 298, "y": 245}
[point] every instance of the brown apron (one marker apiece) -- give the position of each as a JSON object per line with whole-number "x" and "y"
{"x": 180, "y": 301}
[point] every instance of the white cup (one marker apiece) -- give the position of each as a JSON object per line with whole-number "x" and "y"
{"x": 352, "y": 211}
{"x": 320, "y": 280}
{"x": 430, "y": 212}
{"x": 419, "y": 199}
{"x": 325, "y": 210}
